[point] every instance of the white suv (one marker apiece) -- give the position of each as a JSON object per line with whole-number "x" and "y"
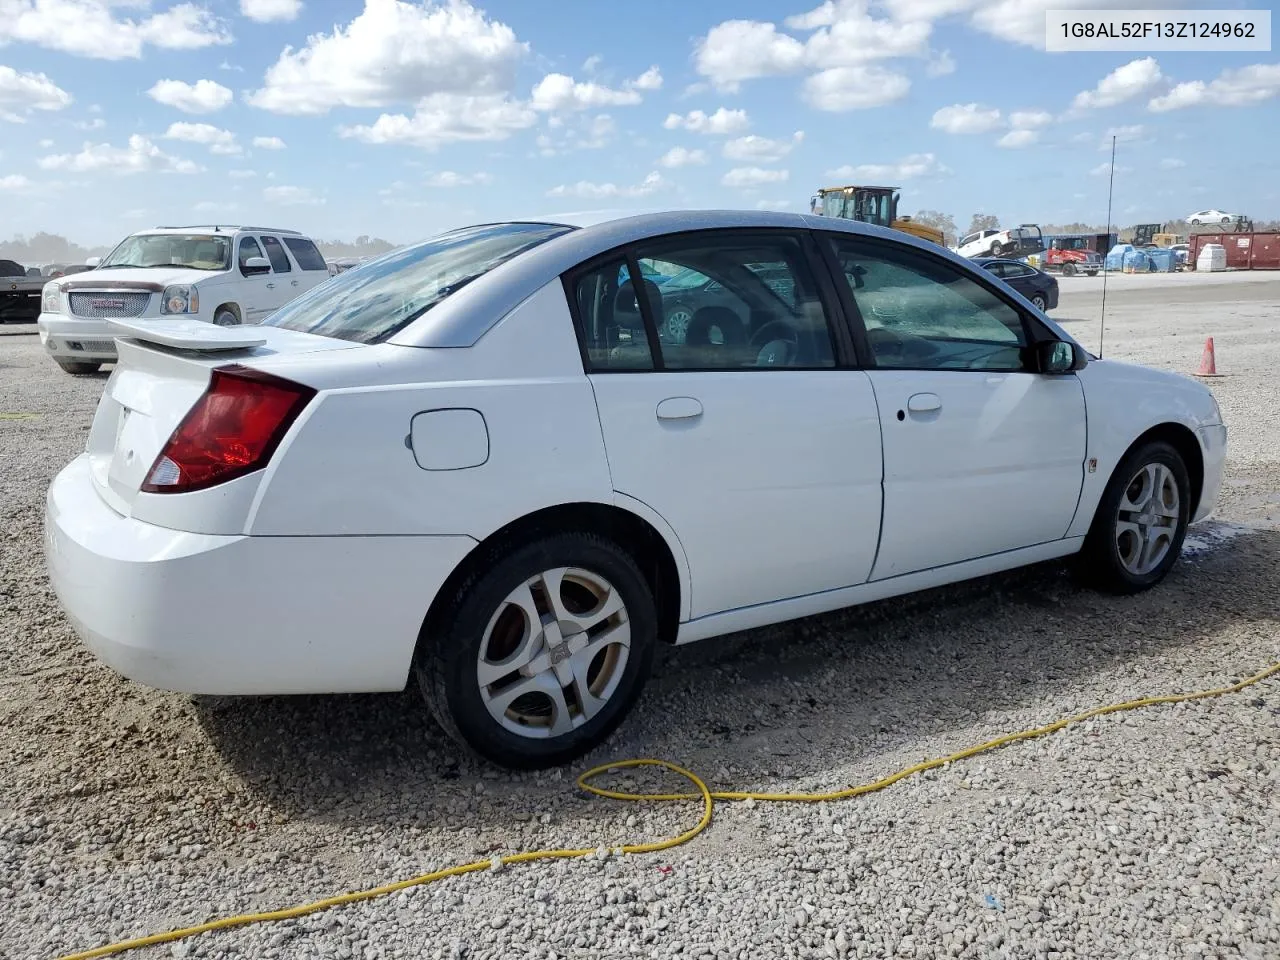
{"x": 219, "y": 274}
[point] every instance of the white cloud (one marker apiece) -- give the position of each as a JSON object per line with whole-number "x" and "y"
{"x": 773, "y": 204}
{"x": 1172, "y": 163}
{"x": 1232, "y": 88}
{"x": 269, "y": 11}
{"x": 1131, "y": 133}
{"x": 966, "y": 118}
{"x": 842, "y": 34}
{"x": 651, "y": 79}
{"x": 97, "y": 123}
{"x": 89, "y": 28}
{"x": 291, "y": 196}
{"x": 1104, "y": 169}
{"x": 682, "y": 157}
{"x": 598, "y": 191}
{"x": 592, "y": 63}
{"x": 203, "y": 96}
{"x": 940, "y": 66}
{"x": 1082, "y": 138}
{"x": 738, "y": 50}
{"x": 45, "y": 144}
{"x": 908, "y": 168}
{"x": 394, "y": 52}
{"x": 446, "y": 118}
{"x": 218, "y": 141}
{"x": 761, "y": 149}
{"x": 854, "y": 88}
{"x": 557, "y": 91}
{"x": 268, "y": 143}
{"x": 21, "y": 93}
{"x": 140, "y": 156}
{"x": 754, "y": 177}
{"x": 242, "y": 174}
{"x": 1017, "y": 139}
{"x": 1123, "y": 83}
{"x": 14, "y": 181}
{"x": 215, "y": 206}
{"x": 722, "y": 123}
{"x": 1030, "y": 119}
{"x": 448, "y": 178}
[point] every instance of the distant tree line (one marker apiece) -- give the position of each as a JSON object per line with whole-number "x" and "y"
{"x": 43, "y": 248}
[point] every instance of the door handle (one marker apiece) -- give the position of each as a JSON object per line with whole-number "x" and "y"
{"x": 293, "y": 283}
{"x": 271, "y": 286}
{"x": 679, "y": 408}
{"x": 924, "y": 403}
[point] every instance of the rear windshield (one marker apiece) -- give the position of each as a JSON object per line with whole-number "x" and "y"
{"x": 374, "y": 300}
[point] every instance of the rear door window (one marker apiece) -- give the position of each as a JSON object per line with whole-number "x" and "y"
{"x": 305, "y": 252}
{"x": 275, "y": 253}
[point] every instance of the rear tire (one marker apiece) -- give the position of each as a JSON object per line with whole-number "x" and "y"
{"x": 1039, "y": 302}
{"x": 577, "y": 684}
{"x": 1140, "y": 523}
{"x": 77, "y": 366}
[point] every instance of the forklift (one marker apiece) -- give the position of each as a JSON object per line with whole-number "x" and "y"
{"x": 877, "y": 205}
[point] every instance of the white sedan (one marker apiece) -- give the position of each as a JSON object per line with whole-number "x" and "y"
{"x": 1210, "y": 216}
{"x": 486, "y": 461}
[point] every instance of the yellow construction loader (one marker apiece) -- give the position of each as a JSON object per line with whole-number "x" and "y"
{"x": 878, "y": 205}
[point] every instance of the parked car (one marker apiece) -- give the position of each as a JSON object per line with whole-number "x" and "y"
{"x": 1036, "y": 285}
{"x": 1181, "y": 253}
{"x": 1021, "y": 241}
{"x": 474, "y": 462}
{"x": 217, "y": 274}
{"x": 19, "y": 293}
{"x": 1209, "y": 216}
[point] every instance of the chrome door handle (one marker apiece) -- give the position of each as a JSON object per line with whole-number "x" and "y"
{"x": 679, "y": 408}
{"x": 293, "y": 282}
{"x": 271, "y": 286}
{"x": 924, "y": 403}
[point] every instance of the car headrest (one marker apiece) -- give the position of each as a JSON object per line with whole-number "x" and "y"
{"x": 626, "y": 311}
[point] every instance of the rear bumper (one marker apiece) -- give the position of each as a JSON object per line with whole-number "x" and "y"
{"x": 231, "y": 615}
{"x": 73, "y": 338}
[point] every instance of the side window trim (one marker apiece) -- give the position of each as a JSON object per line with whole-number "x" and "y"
{"x": 1032, "y": 330}
{"x": 641, "y": 287}
{"x": 247, "y": 238}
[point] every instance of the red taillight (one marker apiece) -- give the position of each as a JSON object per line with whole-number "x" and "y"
{"x": 233, "y": 429}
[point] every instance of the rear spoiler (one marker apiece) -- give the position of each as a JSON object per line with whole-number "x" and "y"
{"x": 187, "y": 334}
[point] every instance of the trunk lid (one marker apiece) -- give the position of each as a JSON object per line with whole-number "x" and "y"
{"x": 163, "y": 368}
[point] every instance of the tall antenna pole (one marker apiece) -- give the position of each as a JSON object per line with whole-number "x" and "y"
{"x": 1102, "y": 326}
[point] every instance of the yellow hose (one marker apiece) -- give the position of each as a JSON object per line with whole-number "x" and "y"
{"x": 701, "y": 792}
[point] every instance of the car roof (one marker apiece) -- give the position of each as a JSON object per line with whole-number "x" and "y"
{"x": 465, "y": 316}
{"x": 216, "y": 228}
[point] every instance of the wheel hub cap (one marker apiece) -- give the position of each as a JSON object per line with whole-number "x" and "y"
{"x": 554, "y": 652}
{"x": 1148, "y": 519}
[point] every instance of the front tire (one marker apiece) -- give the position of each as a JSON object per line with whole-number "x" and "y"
{"x": 1068, "y": 269}
{"x": 77, "y": 367}
{"x": 997, "y": 249}
{"x": 541, "y": 652}
{"x": 1140, "y": 523}
{"x": 226, "y": 318}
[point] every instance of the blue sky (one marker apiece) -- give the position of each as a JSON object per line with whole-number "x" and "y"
{"x": 398, "y": 119}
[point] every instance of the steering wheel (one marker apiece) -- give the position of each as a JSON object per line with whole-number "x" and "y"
{"x": 776, "y": 344}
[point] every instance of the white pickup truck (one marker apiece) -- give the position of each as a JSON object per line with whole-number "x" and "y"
{"x": 219, "y": 274}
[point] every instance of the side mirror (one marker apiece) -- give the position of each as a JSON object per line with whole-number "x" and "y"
{"x": 255, "y": 265}
{"x": 1056, "y": 357}
{"x": 93, "y": 261}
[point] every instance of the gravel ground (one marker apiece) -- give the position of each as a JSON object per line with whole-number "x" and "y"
{"x": 1145, "y": 835}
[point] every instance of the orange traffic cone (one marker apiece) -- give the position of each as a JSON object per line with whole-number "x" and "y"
{"x": 1208, "y": 366}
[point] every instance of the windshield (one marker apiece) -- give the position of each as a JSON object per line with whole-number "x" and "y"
{"x": 193, "y": 251}
{"x": 372, "y": 301}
